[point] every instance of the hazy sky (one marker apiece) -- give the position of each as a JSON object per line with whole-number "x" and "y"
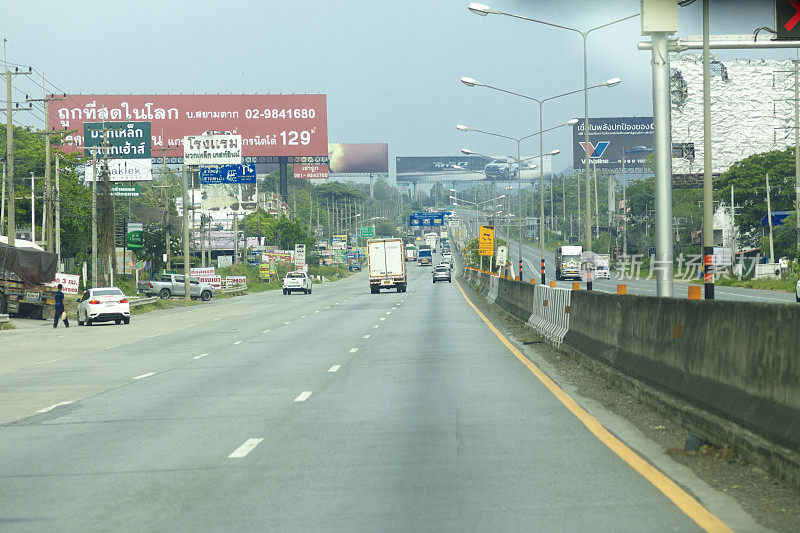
{"x": 391, "y": 69}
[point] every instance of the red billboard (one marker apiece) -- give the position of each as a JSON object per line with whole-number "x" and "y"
{"x": 270, "y": 125}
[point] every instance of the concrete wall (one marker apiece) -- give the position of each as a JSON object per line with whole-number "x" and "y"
{"x": 738, "y": 360}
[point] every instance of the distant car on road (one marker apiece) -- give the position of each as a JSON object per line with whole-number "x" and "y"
{"x": 442, "y": 273}
{"x": 447, "y": 257}
{"x": 169, "y": 285}
{"x": 297, "y": 281}
{"x": 355, "y": 267}
{"x": 104, "y": 304}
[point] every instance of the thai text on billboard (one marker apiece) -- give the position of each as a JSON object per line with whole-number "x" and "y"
{"x": 127, "y": 140}
{"x": 611, "y": 140}
{"x": 270, "y": 125}
{"x": 310, "y": 172}
{"x": 215, "y": 149}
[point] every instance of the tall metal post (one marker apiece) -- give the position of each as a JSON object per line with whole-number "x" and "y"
{"x": 708, "y": 184}
{"x": 588, "y": 221}
{"x": 663, "y": 164}
{"x": 94, "y": 218}
{"x": 624, "y": 209}
{"x": 3, "y": 200}
{"x": 186, "y": 270}
{"x": 541, "y": 191}
{"x": 519, "y": 209}
{"x": 797, "y": 155}
{"x": 58, "y": 210}
{"x": 12, "y": 230}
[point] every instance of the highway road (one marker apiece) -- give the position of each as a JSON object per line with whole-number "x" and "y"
{"x": 338, "y": 410}
{"x": 531, "y": 259}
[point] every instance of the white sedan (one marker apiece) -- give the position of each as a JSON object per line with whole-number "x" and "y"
{"x": 104, "y": 304}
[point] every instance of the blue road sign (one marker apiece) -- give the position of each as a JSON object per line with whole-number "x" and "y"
{"x": 426, "y": 219}
{"x": 211, "y": 174}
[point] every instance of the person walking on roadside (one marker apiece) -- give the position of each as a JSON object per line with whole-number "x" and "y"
{"x": 59, "y": 308}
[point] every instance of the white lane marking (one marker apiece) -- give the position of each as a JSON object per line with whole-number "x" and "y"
{"x": 145, "y": 375}
{"x": 286, "y": 323}
{"x": 192, "y": 325}
{"x": 200, "y": 356}
{"x": 242, "y": 451}
{"x": 328, "y": 307}
{"x": 393, "y": 308}
{"x": 303, "y": 316}
{"x": 337, "y": 303}
{"x": 218, "y": 318}
{"x": 334, "y": 368}
{"x": 317, "y": 311}
{"x": 46, "y": 409}
{"x": 353, "y": 350}
{"x": 375, "y": 326}
{"x": 109, "y": 347}
{"x": 266, "y": 331}
{"x": 237, "y": 342}
{"x": 388, "y": 312}
{"x": 366, "y": 336}
{"x": 45, "y": 362}
{"x": 156, "y": 335}
{"x": 303, "y": 396}
{"x": 383, "y": 318}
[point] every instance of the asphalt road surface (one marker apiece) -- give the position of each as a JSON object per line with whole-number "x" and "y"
{"x": 339, "y": 410}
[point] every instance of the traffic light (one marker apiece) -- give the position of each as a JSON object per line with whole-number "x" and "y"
{"x": 787, "y": 20}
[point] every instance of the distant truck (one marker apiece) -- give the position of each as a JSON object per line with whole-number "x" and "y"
{"x": 387, "y": 266}
{"x": 425, "y": 256}
{"x": 25, "y": 270}
{"x": 411, "y": 252}
{"x": 430, "y": 240}
{"x": 601, "y": 269}
{"x": 568, "y": 262}
{"x": 174, "y": 285}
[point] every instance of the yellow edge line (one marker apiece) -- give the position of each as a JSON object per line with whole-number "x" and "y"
{"x": 699, "y": 514}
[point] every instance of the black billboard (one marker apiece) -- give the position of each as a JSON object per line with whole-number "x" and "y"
{"x": 611, "y": 139}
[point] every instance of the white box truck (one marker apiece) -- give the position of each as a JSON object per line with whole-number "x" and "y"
{"x": 430, "y": 240}
{"x": 387, "y": 267}
{"x": 568, "y": 262}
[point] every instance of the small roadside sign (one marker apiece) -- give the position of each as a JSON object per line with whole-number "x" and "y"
{"x": 132, "y": 190}
{"x": 135, "y": 235}
{"x": 486, "y": 241}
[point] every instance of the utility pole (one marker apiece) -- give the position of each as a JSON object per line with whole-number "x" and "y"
{"x": 769, "y": 219}
{"x": 185, "y": 192}
{"x": 58, "y": 210}
{"x": 48, "y": 187}
{"x": 168, "y": 224}
{"x": 12, "y": 229}
{"x": 796, "y": 156}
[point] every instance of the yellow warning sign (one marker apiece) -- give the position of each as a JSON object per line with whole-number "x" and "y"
{"x": 486, "y": 240}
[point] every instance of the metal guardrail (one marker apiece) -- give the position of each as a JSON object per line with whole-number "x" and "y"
{"x": 234, "y": 289}
{"x": 135, "y": 302}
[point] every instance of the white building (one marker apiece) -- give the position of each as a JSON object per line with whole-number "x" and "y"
{"x": 751, "y": 111}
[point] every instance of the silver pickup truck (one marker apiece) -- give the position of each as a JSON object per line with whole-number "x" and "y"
{"x": 174, "y": 285}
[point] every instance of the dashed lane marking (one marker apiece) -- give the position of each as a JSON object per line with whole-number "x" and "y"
{"x": 375, "y": 326}
{"x": 353, "y": 350}
{"x": 200, "y": 356}
{"x": 366, "y": 336}
{"x": 248, "y": 446}
{"x": 266, "y": 331}
{"x": 334, "y": 368}
{"x": 237, "y": 343}
{"x": 145, "y": 375}
{"x": 303, "y": 396}
{"x": 383, "y": 318}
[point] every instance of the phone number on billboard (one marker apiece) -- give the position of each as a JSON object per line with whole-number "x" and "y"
{"x": 280, "y": 113}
